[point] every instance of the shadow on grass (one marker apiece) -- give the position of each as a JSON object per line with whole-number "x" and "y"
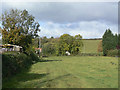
{"x": 14, "y": 82}
{"x": 30, "y": 76}
{"x": 48, "y": 60}
{"x": 22, "y": 77}
{"x": 50, "y": 83}
{"x": 59, "y": 77}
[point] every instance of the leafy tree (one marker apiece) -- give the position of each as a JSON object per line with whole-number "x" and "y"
{"x": 78, "y": 37}
{"x": 69, "y": 43}
{"x": 77, "y": 44}
{"x": 48, "y": 48}
{"x": 49, "y": 45}
{"x": 52, "y": 37}
{"x": 65, "y": 43}
{"x": 44, "y": 40}
{"x": 66, "y": 38}
{"x": 19, "y": 27}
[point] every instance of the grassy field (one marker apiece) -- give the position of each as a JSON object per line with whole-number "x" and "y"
{"x": 69, "y": 72}
{"x": 90, "y": 46}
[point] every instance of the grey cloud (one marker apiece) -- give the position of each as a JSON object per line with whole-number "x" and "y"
{"x": 70, "y": 12}
{"x": 89, "y": 19}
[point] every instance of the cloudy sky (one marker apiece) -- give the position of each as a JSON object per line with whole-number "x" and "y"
{"x": 90, "y": 19}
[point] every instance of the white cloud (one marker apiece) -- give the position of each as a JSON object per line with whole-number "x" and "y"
{"x": 88, "y": 29}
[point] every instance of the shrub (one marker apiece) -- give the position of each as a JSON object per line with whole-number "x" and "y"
{"x": 15, "y": 63}
{"x": 34, "y": 56}
{"x": 112, "y": 52}
{"x": 119, "y": 53}
{"x": 90, "y": 54}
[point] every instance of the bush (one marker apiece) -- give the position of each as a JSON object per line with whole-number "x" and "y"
{"x": 90, "y": 54}
{"x": 34, "y": 56}
{"x": 119, "y": 53}
{"x": 112, "y": 53}
{"x": 15, "y": 63}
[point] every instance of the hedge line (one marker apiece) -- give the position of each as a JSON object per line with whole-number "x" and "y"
{"x": 113, "y": 53}
{"x": 15, "y": 63}
{"x": 90, "y": 54}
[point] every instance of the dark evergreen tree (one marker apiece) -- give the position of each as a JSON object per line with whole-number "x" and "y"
{"x": 118, "y": 47}
{"x": 116, "y": 40}
{"x": 108, "y": 41}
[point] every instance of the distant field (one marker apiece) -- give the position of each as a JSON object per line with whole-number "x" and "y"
{"x": 71, "y": 72}
{"x": 90, "y": 46}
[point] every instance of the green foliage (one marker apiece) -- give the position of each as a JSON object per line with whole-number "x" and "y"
{"x": 25, "y": 41}
{"x": 112, "y": 52}
{"x": 119, "y": 41}
{"x": 15, "y": 63}
{"x": 77, "y": 44}
{"x": 119, "y": 53}
{"x": 90, "y": 54}
{"x": 108, "y": 42}
{"x": 48, "y": 45}
{"x": 69, "y": 43}
{"x": 48, "y": 48}
{"x": 116, "y": 40}
{"x": 59, "y": 46}
{"x": 19, "y": 27}
{"x": 44, "y": 40}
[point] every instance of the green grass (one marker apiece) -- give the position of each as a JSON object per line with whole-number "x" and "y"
{"x": 90, "y": 46}
{"x": 71, "y": 72}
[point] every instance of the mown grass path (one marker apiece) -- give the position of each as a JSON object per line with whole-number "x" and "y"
{"x": 69, "y": 72}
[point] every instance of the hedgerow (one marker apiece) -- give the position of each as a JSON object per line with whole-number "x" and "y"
{"x": 15, "y": 63}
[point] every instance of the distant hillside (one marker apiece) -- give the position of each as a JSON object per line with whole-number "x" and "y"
{"x": 90, "y": 46}
{"x": 93, "y": 39}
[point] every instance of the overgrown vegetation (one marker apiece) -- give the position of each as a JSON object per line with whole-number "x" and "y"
{"x": 112, "y": 53}
{"x": 110, "y": 43}
{"x": 69, "y": 43}
{"x": 15, "y": 63}
{"x": 59, "y": 46}
{"x": 19, "y": 28}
